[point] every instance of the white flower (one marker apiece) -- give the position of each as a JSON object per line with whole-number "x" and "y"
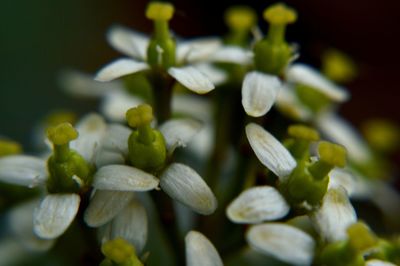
{"x": 188, "y": 54}
{"x": 56, "y": 211}
{"x": 178, "y": 180}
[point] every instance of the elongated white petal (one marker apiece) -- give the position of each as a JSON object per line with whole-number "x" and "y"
{"x": 197, "y": 49}
{"x": 20, "y": 220}
{"x": 340, "y": 131}
{"x": 54, "y": 214}
{"x": 282, "y": 241}
{"x": 355, "y": 185}
{"x": 178, "y": 132}
{"x": 334, "y": 216}
{"x": 375, "y": 262}
{"x": 130, "y": 224}
{"x": 116, "y": 138}
{"x": 91, "y": 130}
{"x": 118, "y": 68}
{"x": 200, "y": 251}
{"x": 23, "y": 170}
{"x": 183, "y": 184}
{"x": 303, "y": 74}
{"x": 258, "y": 204}
{"x": 83, "y": 85}
{"x": 105, "y": 205}
{"x": 116, "y": 103}
{"x": 192, "y": 105}
{"x": 270, "y": 151}
{"x": 216, "y": 75}
{"x": 105, "y": 157}
{"x": 288, "y": 103}
{"x": 192, "y": 79}
{"x": 233, "y": 54}
{"x": 128, "y": 42}
{"x": 124, "y": 178}
{"x": 259, "y": 92}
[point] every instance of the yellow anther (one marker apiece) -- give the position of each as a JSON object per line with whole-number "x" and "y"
{"x": 337, "y": 66}
{"x": 118, "y": 250}
{"x": 240, "y": 17}
{"x": 160, "y": 11}
{"x": 62, "y": 134}
{"x": 382, "y": 134}
{"x": 303, "y": 132}
{"x": 332, "y": 154}
{"x": 360, "y": 236}
{"x": 59, "y": 117}
{"x": 280, "y": 14}
{"x": 9, "y": 147}
{"x": 140, "y": 115}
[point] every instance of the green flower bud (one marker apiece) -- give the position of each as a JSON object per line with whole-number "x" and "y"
{"x": 146, "y": 145}
{"x": 161, "y": 49}
{"x": 272, "y": 54}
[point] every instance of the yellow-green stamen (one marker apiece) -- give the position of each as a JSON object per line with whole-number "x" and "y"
{"x": 160, "y": 11}
{"x": 240, "y": 18}
{"x": 278, "y": 16}
{"x": 140, "y": 117}
{"x": 360, "y": 237}
{"x": 118, "y": 250}
{"x": 330, "y": 155}
{"x": 301, "y": 136}
{"x": 337, "y": 66}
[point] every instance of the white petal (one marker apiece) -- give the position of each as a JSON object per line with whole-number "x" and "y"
{"x": 192, "y": 79}
{"x": 334, "y": 216}
{"x": 118, "y": 68}
{"x": 203, "y": 143}
{"x": 54, "y": 214}
{"x": 306, "y": 75}
{"x": 375, "y": 262}
{"x": 128, "y": 41}
{"x": 200, "y": 251}
{"x": 116, "y": 139}
{"x": 23, "y": 170}
{"x": 355, "y": 185}
{"x": 116, "y": 103}
{"x": 270, "y": 151}
{"x": 282, "y": 241}
{"x": 124, "y": 178}
{"x": 387, "y": 198}
{"x": 216, "y": 75}
{"x": 105, "y": 157}
{"x": 258, "y": 204}
{"x": 233, "y": 54}
{"x": 340, "y": 131}
{"x": 105, "y": 205}
{"x": 288, "y": 103}
{"x": 259, "y": 92}
{"x": 20, "y": 220}
{"x": 91, "y": 129}
{"x": 183, "y": 184}
{"x": 84, "y": 85}
{"x": 192, "y": 105}
{"x": 196, "y": 50}
{"x": 130, "y": 224}
{"x": 178, "y": 132}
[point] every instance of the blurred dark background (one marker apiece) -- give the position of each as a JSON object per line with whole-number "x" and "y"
{"x": 40, "y": 38}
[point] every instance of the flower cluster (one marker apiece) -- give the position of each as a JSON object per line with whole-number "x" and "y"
{"x": 261, "y": 170}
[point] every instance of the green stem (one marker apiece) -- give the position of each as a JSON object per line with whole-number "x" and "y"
{"x": 162, "y": 85}
{"x": 146, "y": 135}
{"x": 61, "y": 152}
{"x": 320, "y": 169}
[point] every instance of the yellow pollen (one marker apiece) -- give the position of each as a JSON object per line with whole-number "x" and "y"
{"x": 240, "y": 17}
{"x": 160, "y": 11}
{"x": 280, "y": 14}
{"x": 140, "y": 115}
{"x": 62, "y": 134}
{"x": 119, "y": 250}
